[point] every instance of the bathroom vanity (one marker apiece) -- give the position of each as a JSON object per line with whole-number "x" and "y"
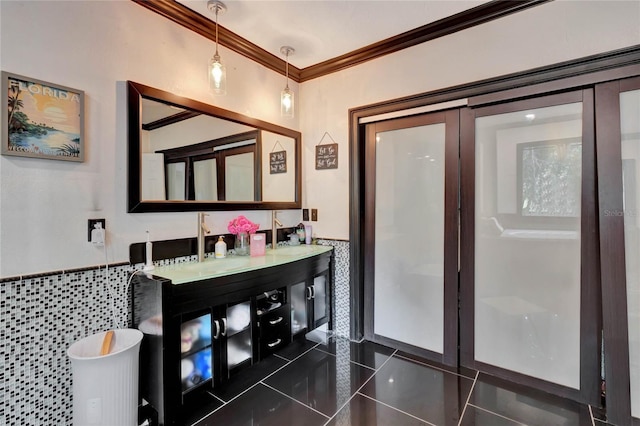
{"x": 204, "y": 322}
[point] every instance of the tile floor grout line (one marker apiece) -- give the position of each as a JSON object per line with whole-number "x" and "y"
{"x": 352, "y": 362}
{"x": 473, "y": 385}
{"x": 396, "y": 409}
{"x": 593, "y": 422}
{"x": 363, "y": 385}
{"x": 256, "y": 384}
{"x": 228, "y": 402}
{"x": 280, "y": 356}
{"x": 496, "y": 414}
{"x": 208, "y": 414}
{"x": 434, "y": 367}
{"x": 304, "y": 353}
{"x": 216, "y": 397}
{"x": 295, "y": 400}
{"x": 275, "y": 371}
{"x": 252, "y": 386}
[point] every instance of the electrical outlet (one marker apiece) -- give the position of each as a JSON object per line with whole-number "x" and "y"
{"x": 94, "y": 410}
{"x": 305, "y": 214}
{"x": 314, "y": 215}
{"x": 92, "y": 222}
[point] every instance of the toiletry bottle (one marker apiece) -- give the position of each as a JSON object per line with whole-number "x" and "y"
{"x": 300, "y": 232}
{"x": 221, "y": 248}
{"x": 148, "y": 266}
{"x": 307, "y": 234}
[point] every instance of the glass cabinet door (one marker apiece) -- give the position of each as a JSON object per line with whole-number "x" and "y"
{"x": 320, "y": 298}
{"x": 196, "y": 352}
{"x": 237, "y": 329}
{"x": 298, "y": 307}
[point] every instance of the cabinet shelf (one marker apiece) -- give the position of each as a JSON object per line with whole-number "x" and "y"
{"x": 196, "y": 369}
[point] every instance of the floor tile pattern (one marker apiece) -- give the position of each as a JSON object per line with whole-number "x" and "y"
{"x": 343, "y": 383}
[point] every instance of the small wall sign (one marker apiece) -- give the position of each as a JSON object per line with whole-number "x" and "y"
{"x": 327, "y": 156}
{"x": 278, "y": 162}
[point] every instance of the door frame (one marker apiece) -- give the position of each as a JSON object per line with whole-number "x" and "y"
{"x": 612, "y": 247}
{"x": 589, "y": 70}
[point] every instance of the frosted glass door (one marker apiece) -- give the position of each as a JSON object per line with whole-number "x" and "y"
{"x": 528, "y": 174}
{"x": 176, "y": 178}
{"x": 239, "y": 177}
{"x": 205, "y": 180}
{"x": 409, "y": 236}
{"x": 630, "y": 126}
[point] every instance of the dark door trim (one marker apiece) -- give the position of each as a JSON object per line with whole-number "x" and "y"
{"x": 589, "y": 70}
{"x": 564, "y": 76}
{"x": 612, "y": 248}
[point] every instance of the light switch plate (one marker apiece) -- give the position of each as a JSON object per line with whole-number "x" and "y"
{"x": 314, "y": 215}
{"x": 305, "y": 214}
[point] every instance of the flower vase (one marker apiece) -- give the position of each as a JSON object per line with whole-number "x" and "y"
{"x": 242, "y": 244}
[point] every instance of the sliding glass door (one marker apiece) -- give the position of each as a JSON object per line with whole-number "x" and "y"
{"x": 630, "y": 131}
{"x": 529, "y": 309}
{"x": 618, "y": 148}
{"x": 411, "y": 223}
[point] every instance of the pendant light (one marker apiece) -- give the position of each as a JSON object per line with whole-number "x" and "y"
{"x": 217, "y": 71}
{"x": 287, "y": 105}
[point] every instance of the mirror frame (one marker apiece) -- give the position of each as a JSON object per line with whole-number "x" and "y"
{"x": 135, "y": 93}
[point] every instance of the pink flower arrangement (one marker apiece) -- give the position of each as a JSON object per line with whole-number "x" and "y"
{"x": 242, "y": 224}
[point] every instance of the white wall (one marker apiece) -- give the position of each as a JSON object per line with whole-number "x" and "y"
{"x": 550, "y": 33}
{"x": 96, "y": 46}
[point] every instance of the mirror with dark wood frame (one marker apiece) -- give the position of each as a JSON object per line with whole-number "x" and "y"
{"x": 185, "y": 155}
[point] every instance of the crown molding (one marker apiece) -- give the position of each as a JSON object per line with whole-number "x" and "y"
{"x": 463, "y": 20}
{"x": 197, "y": 23}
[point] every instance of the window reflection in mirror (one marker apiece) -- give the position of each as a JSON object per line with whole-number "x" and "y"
{"x": 185, "y": 155}
{"x": 204, "y": 158}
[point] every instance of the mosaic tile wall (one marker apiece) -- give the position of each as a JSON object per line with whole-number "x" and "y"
{"x": 341, "y": 293}
{"x": 41, "y": 316}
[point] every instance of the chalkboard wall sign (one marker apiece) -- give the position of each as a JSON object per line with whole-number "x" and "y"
{"x": 327, "y": 156}
{"x": 278, "y": 162}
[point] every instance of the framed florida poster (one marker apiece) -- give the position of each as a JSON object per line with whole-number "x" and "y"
{"x": 42, "y": 120}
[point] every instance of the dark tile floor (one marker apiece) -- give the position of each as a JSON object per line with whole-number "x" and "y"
{"x": 346, "y": 383}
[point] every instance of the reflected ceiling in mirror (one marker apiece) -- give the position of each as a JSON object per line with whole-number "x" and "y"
{"x": 185, "y": 155}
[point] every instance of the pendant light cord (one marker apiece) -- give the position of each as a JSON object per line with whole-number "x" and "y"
{"x": 287, "y": 71}
{"x": 217, "y": 9}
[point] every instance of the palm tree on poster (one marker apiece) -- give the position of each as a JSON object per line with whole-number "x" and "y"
{"x": 15, "y": 103}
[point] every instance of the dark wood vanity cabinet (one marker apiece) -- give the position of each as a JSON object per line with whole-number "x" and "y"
{"x": 310, "y": 303}
{"x": 198, "y": 335}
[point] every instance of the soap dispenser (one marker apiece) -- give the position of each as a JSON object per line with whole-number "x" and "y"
{"x": 221, "y": 248}
{"x": 300, "y": 232}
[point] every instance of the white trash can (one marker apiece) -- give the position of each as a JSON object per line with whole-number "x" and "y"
{"x": 105, "y": 387}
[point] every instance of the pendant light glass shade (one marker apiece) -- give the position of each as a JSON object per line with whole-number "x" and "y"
{"x": 217, "y": 76}
{"x": 217, "y": 71}
{"x": 287, "y": 103}
{"x": 287, "y": 97}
